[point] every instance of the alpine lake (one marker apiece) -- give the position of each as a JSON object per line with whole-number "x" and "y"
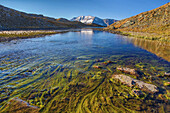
{"x": 74, "y": 72}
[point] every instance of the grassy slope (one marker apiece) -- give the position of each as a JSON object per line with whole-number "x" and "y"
{"x": 12, "y": 19}
{"x": 154, "y": 24}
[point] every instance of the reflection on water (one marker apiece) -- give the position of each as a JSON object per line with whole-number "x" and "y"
{"x": 87, "y": 32}
{"x": 161, "y": 49}
{"x": 86, "y": 35}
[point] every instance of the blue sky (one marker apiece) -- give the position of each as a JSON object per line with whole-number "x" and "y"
{"x": 117, "y": 9}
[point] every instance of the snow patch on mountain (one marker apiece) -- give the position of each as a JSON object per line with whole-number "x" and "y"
{"x": 94, "y": 20}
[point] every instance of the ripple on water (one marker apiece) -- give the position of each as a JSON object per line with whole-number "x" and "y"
{"x": 73, "y": 71}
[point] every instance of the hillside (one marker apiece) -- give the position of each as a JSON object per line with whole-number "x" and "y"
{"x": 94, "y": 20}
{"x": 13, "y": 19}
{"x": 156, "y": 22}
{"x": 109, "y": 21}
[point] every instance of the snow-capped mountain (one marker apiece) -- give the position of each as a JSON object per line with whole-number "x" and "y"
{"x": 94, "y": 20}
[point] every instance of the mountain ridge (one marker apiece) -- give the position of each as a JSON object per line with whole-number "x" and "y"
{"x": 149, "y": 21}
{"x": 13, "y": 19}
{"x": 94, "y": 20}
{"x": 152, "y": 25}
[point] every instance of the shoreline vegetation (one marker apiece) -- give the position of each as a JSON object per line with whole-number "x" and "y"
{"x": 23, "y": 34}
{"x": 79, "y": 73}
{"x": 142, "y": 35}
{"x": 68, "y": 80}
{"x": 161, "y": 50}
{"x": 8, "y": 35}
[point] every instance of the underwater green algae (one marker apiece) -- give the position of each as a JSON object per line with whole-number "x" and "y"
{"x": 54, "y": 87}
{"x": 81, "y": 83}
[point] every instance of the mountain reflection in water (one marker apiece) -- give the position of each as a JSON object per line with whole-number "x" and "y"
{"x": 161, "y": 49}
{"x": 74, "y": 71}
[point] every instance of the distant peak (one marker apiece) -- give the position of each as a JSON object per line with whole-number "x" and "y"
{"x": 94, "y": 20}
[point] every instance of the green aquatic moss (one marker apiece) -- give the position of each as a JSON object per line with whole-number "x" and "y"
{"x": 76, "y": 86}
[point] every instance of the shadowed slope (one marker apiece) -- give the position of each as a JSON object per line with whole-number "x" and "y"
{"x": 12, "y": 19}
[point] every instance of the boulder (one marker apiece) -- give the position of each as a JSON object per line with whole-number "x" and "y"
{"x": 125, "y": 80}
{"x": 127, "y": 70}
{"x": 133, "y": 82}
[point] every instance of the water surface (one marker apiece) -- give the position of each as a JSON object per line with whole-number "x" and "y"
{"x": 64, "y": 65}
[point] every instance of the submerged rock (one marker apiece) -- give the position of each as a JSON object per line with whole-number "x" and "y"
{"x": 109, "y": 61}
{"x": 87, "y": 61}
{"x": 167, "y": 74}
{"x": 133, "y": 82}
{"x": 18, "y": 105}
{"x": 167, "y": 84}
{"x": 24, "y": 103}
{"x": 106, "y": 63}
{"x": 127, "y": 70}
{"x": 97, "y": 67}
{"x": 98, "y": 60}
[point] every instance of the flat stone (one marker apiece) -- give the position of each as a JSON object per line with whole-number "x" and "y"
{"x": 97, "y": 67}
{"x": 133, "y": 82}
{"x": 127, "y": 70}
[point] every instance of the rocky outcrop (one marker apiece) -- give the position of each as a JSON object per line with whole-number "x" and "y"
{"x": 128, "y": 23}
{"x": 133, "y": 82}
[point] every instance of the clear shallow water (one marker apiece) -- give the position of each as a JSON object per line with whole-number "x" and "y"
{"x": 73, "y": 44}
{"x": 30, "y": 64}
